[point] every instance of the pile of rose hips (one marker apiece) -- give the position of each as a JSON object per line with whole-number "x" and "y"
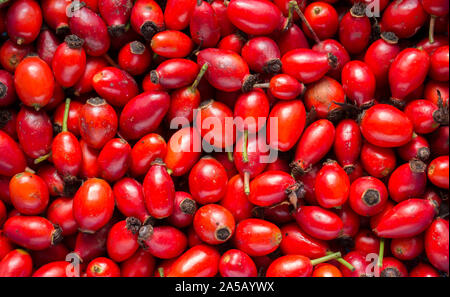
{"x": 96, "y": 181}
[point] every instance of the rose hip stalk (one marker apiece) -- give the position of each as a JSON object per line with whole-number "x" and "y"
{"x": 435, "y": 9}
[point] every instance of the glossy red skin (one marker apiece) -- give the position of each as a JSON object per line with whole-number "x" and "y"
{"x": 417, "y": 148}
{"x": 354, "y": 33}
{"x": 359, "y": 82}
{"x": 102, "y": 267}
{"x": 66, "y": 154}
{"x": 8, "y": 122}
{"x": 305, "y": 65}
{"x": 285, "y": 87}
{"x": 436, "y": 244}
{"x": 283, "y": 5}
{"x": 30, "y": 232}
{"x": 308, "y": 180}
{"x": 378, "y": 57}
{"x": 228, "y": 164}
{"x": 278, "y": 214}
{"x": 374, "y": 220}
{"x": 431, "y": 88}
{"x": 296, "y": 242}
{"x": 407, "y": 248}
{"x": 318, "y": 222}
{"x": 166, "y": 242}
{"x": 290, "y": 266}
{"x": 57, "y": 252}
{"x": 89, "y": 164}
{"x": 332, "y": 186}
{"x": 116, "y": 14}
{"x": 439, "y": 64}
{"x": 134, "y": 62}
{"x": 147, "y": 85}
{"x": 60, "y": 212}
{"x": 35, "y": 132}
{"x": 3, "y": 213}
{"x": 54, "y": 13}
{"x": 29, "y": 193}
{"x": 8, "y": 95}
{"x": 269, "y": 188}
{"x": 438, "y": 172}
{"x": 257, "y": 156}
{"x": 220, "y": 10}
{"x": 406, "y": 219}
{"x": 4, "y": 189}
{"x": 73, "y": 122}
{"x": 54, "y": 269}
{"x": 210, "y": 115}
{"x": 408, "y": 71}
{"x": 177, "y": 14}
{"x": 11, "y": 54}
{"x": 250, "y": 107}
{"x": 17, "y": 263}
{"x": 89, "y": 26}
{"x": 338, "y": 50}
{"x": 257, "y": 237}
{"x": 141, "y": 264}
{"x": 392, "y": 265}
{"x": 366, "y": 242}
{"x": 347, "y": 143}
{"x": 406, "y": 183}
{"x": 208, "y": 181}
{"x": 357, "y": 260}
{"x": 122, "y": 242}
{"x": 280, "y": 164}
{"x": 379, "y": 162}
{"x": 227, "y": 70}
{"x": 258, "y": 52}
{"x": 436, "y": 8}
{"x": 171, "y": 44}
{"x": 98, "y": 123}
{"x": 34, "y": 82}
{"x": 235, "y": 263}
{"x": 289, "y": 117}
{"x": 183, "y": 101}
{"x": 322, "y": 94}
{"x": 115, "y": 86}
{"x": 89, "y": 246}
{"x": 255, "y": 17}
{"x": 143, "y": 114}
{"x": 93, "y": 205}
{"x": 198, "y": 261}
{"x": 6, "y": 245}
{"x": 323, "y": 19}
{"x": 420, "y": 112}
{"x": 57, "y": 98}
{"x": 233, "y": 42}
{"x": 176, "y": 73}
{"x": 211, "y": 218}
{"x": 307, "y": 153}
{"x": 423, "y": 270}
{"x": 145, "y": 151}
{"x": 93, "y": 66}
{"x": 145, "y": 12}
{"x": 357, "y": 191}
{"x": 23, "y": 21}
{"x": 290, "y": 39}
{"x": 204, "y": 26}
{"x": 326, "y": 270}
{"x": 181, "y": 217}
{"x": 439, "y": 141}
{"x": 68, "y": 64}
{"x": 235, "y": 199}
{"x": 183, "y": 150}
{"x": 114, "y": 159}
{"x": 159, "y": 192}
{"x": 351, "y": 221}
{"x": 129, "y": 199}
{"x": 404, "y": 18}
{"x": 386, "y": 126}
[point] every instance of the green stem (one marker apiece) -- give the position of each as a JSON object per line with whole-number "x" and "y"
{"x": 244, "y": 148}
{"x": 169, "y": 171}
{"x": 230, "y": 156}
{"x": 262, "y": 86}
{"x": 326, "y": 258}
{"x": 247, "y": 183}
{"x": 42, "y": 158}
{"x": 343, "y": 262}
{"x": 161, "y": 272}
{"x": 66, "y": 115}
{"x": 305, "y": 21}
{"x": 431, "y": 29}
{"x": 199, "y": 77}
{"x": 381, "y": 253}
